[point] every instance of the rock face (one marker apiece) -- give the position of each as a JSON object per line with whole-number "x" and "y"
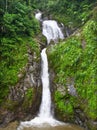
{"x": 24, "y": 98}
{"x": 11, "y": 126}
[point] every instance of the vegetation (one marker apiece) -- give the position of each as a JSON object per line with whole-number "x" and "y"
{"x": 72, "y": 13}
{"x": 18, "y": 28}
{"x": 75, "y": 60}
{"x": 28, "y": 98}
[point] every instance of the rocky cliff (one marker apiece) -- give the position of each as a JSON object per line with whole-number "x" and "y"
{"x": 23, "y": 100}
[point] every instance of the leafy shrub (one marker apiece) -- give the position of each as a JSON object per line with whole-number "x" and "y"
{"x": 71, "y": 61}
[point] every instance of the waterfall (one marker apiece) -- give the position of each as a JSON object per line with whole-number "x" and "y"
{"x": 52, "y": 32}
{"x": 45, "y": 108}
{"x": 38, "y": 16}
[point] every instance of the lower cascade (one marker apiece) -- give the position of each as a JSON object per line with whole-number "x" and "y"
{"x": 45, "y": 116}
{"x": 45, "y": 108}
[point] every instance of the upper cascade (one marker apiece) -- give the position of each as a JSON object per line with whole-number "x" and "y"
{"x": 38, "y": 16}
{"x": 52, "y": 31}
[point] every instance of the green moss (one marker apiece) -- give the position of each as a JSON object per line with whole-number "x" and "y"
{"x": 10, "y": 105}
{"x": 29, "y": 93}
{"x": 68, "y": 55}
{"x": 28, "y": 98}
{"x": 65, "y": 103}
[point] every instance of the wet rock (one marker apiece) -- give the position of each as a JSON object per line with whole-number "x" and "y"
{"x": 80, "y": 118}
{"x": 11, "y": 126}
{"x": 42, "y": 41}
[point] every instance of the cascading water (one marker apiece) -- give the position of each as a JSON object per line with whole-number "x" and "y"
{"x": 45, "y": 120}
{"x": 52, "y": 32}
{"x": 45, "y": 108}
{"x": 50, "y": 29}
{"x": 38, "y": 16}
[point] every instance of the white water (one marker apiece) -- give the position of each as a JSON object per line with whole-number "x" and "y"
{"x": 38, "y": 16}
{"x": 45, "y": 108}
{"x": 45, "y": 117}
{"x": 52, "y": 31}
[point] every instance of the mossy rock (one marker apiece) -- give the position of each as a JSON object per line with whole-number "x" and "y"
{"x": 10, "y": 105}
{"x": 92, "y": 125}
{"x": 11, "y": 126}
{"x": 42, "y": 40}
{"x": 28, "y": 99}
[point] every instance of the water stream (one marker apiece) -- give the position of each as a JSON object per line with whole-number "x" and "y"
{"x": 45, "y": 120}
{"x": 52, "y": 31}
{"x": 38, "y": 16}
{"x": 45, "y": 108}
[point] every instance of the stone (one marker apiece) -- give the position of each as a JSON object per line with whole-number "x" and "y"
{"x": 18, "y": 105}
{"x": 72, "y": 90}
{"x": 10, "y": 126}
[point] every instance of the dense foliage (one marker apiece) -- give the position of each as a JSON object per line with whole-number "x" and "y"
{"x": 72, "y": 13}
{"x": 75, "y": 63}
{"x": 18, "y": 28}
